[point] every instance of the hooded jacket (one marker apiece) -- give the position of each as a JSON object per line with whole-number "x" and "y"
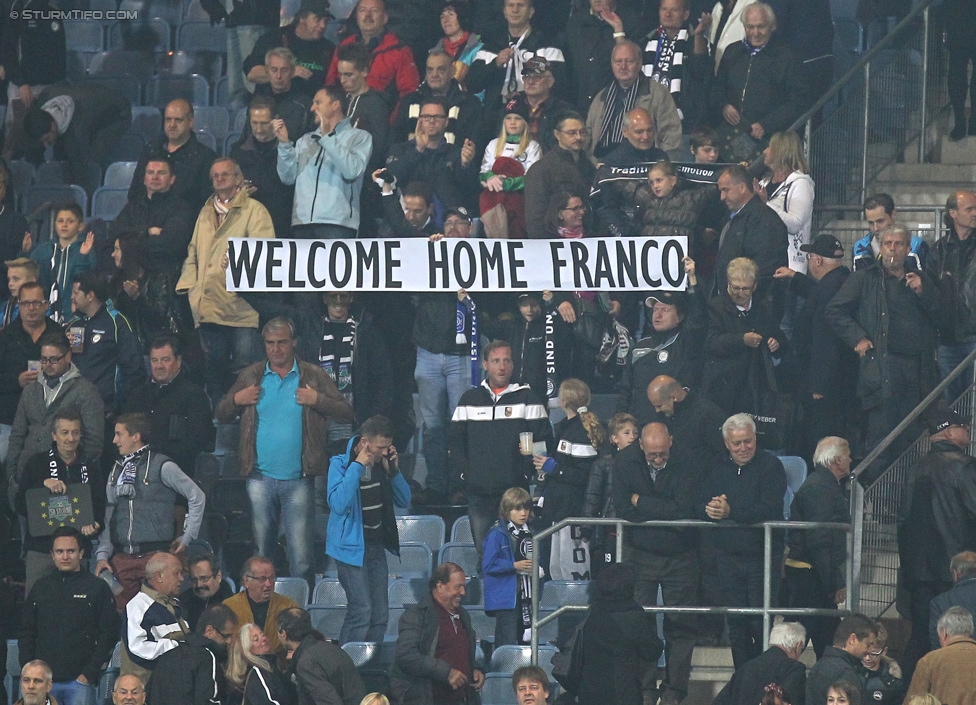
{"x": 344, "y": 537}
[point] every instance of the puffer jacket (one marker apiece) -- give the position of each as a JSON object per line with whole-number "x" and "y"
{"x": 674, "y": 215}
{"x": 950, "y": 263}
{"x": 203, "y": 279}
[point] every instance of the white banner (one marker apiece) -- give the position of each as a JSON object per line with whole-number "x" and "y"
{"x": 416, "y": 264}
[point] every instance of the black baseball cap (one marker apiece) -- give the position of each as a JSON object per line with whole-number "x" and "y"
{"x": 670, "y": 298}
{"x": 458, "y": 210}
{"x": 825, "y": 246}
{"x": 944, "y": 418}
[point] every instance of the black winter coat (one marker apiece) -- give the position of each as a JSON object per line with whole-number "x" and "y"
{"x": 166, "y": 251}
{"x": 70, "y": 622}
{"x": 886, "y": 685}
{"x": 619, "y": 642}
{"x": 749, "y": 682}
{"x": 938, "y": 513}
{"x": 16, "y": 349}
{"x": 190, "y": 674}
{"x": 755, "y": 494}
{"x": 259, "y": 164}
{"x": 835, "y": 665}
{"x": 696, "y": 427}
{"x": 952, "y": 263}
{"x": 528, "y": 340}
{"x": 325, "y": 674}
{"x": 672, "y": 495}
{"x": 758, "y": 233}
{"x": 735, "y": 374}
{"x": 826, "y": 365}
{"x": 191, "y": 166}
{"x": 558, "y": 170}
{"x": 821, "y": 498}
{"x": 674, "y": 215}
{"x": 565, "y": 487}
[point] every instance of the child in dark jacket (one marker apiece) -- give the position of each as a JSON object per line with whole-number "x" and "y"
{"x": 507, "y": 566}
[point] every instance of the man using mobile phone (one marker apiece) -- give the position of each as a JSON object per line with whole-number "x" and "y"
{"x": 364, "y": 485}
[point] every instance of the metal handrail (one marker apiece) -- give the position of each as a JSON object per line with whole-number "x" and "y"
{"x": 858, "y": 68}
{"x": 766, "y": 610}
{"x": 911, "y": 418}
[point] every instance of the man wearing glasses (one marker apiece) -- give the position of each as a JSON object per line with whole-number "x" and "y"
{"x": 258, "y": 603}
{"x": 58, "y": 386}
{"x": 207, "y": 588}
{"x": 19, "y": 345}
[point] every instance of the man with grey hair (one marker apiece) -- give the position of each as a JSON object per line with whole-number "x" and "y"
{"x": 746, "y": 487}
{"x": 963, "y": 592}
{"x": 36, "y": 681}
{"x": 948, "y": 672}
{"x": 815, "y": 569}
{"x": 291, "y": 103}
{"x": 304, "y": 36}
{"x": 284, "y": 406}
{"x": 631, "y": 89}
{"x": 152, "y": 622}
{"x": 886, "y": 312}
{"x": 758, "y": 89}
{"x": 779, "y": 664}
{"x": 227, "y": 324}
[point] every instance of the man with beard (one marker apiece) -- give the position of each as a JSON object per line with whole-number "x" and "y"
{"x": 193, "y": 672}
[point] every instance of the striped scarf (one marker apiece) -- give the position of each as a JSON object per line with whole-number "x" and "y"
{"x": 619, "y": 102}
{"x": 664, "y": 59}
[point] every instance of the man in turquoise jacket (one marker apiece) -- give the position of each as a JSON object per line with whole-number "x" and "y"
{"x": 364, "y": 485}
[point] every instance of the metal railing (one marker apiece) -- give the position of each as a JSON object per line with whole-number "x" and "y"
{"x": 874, "y": 510}
{"x": 767, "y": 611}
{"x": 883, "y": 104}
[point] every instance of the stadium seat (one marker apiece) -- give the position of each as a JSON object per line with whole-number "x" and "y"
{"x": 295, "y": 588}
{"x": 11, "y": 678}
{"x": 108, "y": 202}
{"x": 483, "y": 625}
{"x": 84, "y": 35}
{"x": 201, "y": 35}
{"x": 393, "y": 624}
{"x": 147, "y": 122}
{"x": 206, "y": 138}
{"x": 461, "y": 530}
{"x": 498, "y": 690}
{"x": 128, "y": 148}
{"x": 221, "y": 96}
{"x": 160, "y": 90}
{"x": 557, "y": 593}
{"x": 464, "y": 554}
{"x": 39, "y": 194}
{"x": 239, "y": 120}
{"x": 327, "y": 620}
{"x": 404, "y": 592}
{"x": 361, "y": 652}
{"x": 427, "y": 529}
{"x": 214, "y": 119}
{"x": 49, "y": 174}
{"x": 508, "y": 659}
{"x": 414, "y": 561}
{"x": 119, "y": 174}
{"x": 328, "y": 591}
{"x": 796, "y": 474}
{"x": 229, "y": 141}
{"x": 21, "y": 179}
{"x": 140, "y": 35}
{"x": 194, "y": 11}
{"x": 124, "y": 84}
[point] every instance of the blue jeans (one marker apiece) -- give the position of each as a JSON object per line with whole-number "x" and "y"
{"x": 290, "y": 505}
{"x": 240, "y": 44}
{"x": 483, "y": 513}
{"x": 227, "y": 350}
{"x": 441, "y": 380}
{"x": 73, "y": 693}
{"x": 366, "y": 593}
{"x": 949, "y": 358}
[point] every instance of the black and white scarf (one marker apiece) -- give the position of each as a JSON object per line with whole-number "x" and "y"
{"x": 664, "y": 59}
{"x": 523, "y": 551}
{"x": 125, "y": 484}
{"x": 466, "y": 333}
{"x": 619, "y": 101}
{"x": 55, "y": 462}
{"x": 337, "y": 352}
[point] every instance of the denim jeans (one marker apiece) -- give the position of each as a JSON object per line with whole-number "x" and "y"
{"x": 240, "y": 44}
{"x": 5, "y": 430}
{"x": 227, "y": 350}
{"x": 284, "y": 505}
{"x": 441, "y": 380}
{"x": 73, "y": 693}
{"x": 949, "y": 358}
{"x": 366, "y": 593}
{"x": 483, "y": 513}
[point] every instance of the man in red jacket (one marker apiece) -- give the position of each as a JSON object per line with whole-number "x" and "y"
{"x": 392, "y": 71}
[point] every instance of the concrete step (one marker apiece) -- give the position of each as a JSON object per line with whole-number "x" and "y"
{"x": 961, "y": 152}
{"x": 929, "y": 173}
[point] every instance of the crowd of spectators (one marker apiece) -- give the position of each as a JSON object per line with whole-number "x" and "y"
{"x": 119, "y": 355}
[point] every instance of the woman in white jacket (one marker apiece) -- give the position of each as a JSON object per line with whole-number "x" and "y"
{"x": 790, "y": 192}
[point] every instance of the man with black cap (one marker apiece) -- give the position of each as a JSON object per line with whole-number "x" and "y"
{"x": 303, "y": 36}
{"x": 937, "y": 520}
{"x": 828, "y": 368}
{"x": 535, "y": 103}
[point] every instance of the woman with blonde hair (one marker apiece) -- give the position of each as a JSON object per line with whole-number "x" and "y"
{"x": 252, "y": 677}
{"x": 507, "y": 159}
{"x": 790, "y": 192}
{"x": 566, "y": 474}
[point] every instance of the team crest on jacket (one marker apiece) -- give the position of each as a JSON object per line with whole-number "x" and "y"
{"x": 508, "y": 411}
